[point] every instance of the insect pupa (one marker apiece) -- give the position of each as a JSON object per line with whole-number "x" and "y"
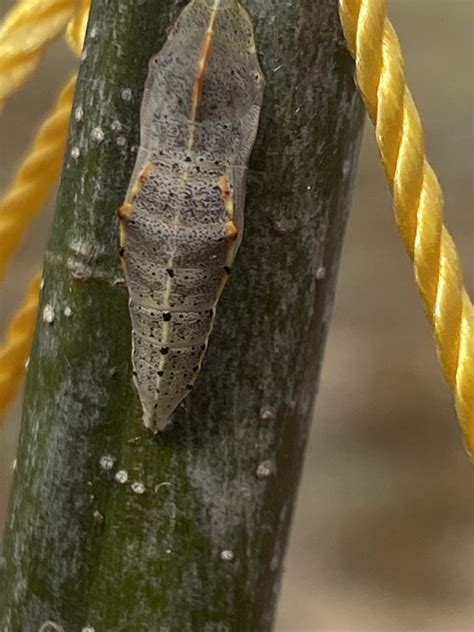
{"x": 182, "y": 219}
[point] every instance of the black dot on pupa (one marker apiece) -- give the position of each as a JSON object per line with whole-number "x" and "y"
{"x": 202, "y": 347}
{"x": 195, "y": 369}
{"x": 167, "y": 316}
{"x": 160, "y": 373}
{"x": 155, "y": 406}
{"x": 170, "y": 272}
{"x": 164, "y": 350}
{"x": 121, "y": 251}
{"x": 227, "y": 269}
{"x": 189, "y": 386}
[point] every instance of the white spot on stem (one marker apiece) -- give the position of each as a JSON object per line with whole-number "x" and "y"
{"x": 106, "y": 462}
{"x": 98, "y": 517}
{"x": 121, "y": 477}
{"x": 264, "y": 470}
{"x": 321, "y": 273}
{"x": 138, "y": 487}
{"x": 267, "y": 412}
{"x": 97, "y": 134}
{"x": 48, "y": 314}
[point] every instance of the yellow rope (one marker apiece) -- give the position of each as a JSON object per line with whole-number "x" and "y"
{"x": 35, "y": 177}
{"x": 32, "y": 185}
{"x": 418, "y": 199}
{"x": 76, "y": 29}
{"x": 16, "y": 350}
{"x": 24, "y": 35}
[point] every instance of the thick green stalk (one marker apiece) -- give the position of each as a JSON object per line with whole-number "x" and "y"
{"x": 109, "y": 526}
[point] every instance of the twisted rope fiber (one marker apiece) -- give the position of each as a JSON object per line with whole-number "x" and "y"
{"x": 16, "y": 350}
{"x": 418, "y": 198}
{"x": 32, "y": 185}
{"x": 35, "y": 177}
{"x": 24, "y": 35}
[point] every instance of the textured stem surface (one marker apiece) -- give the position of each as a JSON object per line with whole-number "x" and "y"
{"x": 110, "y": 527}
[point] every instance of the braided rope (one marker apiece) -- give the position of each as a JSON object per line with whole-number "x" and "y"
{"x": 35, "y": 177}
{"x": 16, "y": 349}
{"x": 76, "y": 29}
{"x": 418, "y": 198}
{"x": 32, "y": 185}
{"x": 24, "y": 35}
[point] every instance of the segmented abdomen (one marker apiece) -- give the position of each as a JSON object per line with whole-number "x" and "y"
{"x": 178, "y": 251}
{"x": 182, "y": 220}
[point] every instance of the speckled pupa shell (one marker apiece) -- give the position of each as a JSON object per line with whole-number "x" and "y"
{"x": 182, "y": 220}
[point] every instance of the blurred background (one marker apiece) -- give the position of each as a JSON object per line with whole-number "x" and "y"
{"x": 383, "y": 537}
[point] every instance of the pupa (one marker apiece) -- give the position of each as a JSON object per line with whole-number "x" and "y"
{"x": 182, "y": 220}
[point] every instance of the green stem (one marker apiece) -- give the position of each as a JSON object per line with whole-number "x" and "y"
{"x": 202, "y": 547}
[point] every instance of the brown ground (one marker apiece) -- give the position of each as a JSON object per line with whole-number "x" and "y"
{"x": 382, "y": 539}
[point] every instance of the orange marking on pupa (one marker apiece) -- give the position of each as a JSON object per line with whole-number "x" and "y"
{"x": 125, "y": 210}
{"x": 224, "y": 185}
{"x": 232, "y": 231}
{"x": 204, "y": 56}
{"x": 145, "y": 173}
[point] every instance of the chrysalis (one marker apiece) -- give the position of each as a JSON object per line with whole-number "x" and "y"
{"x": 182, "y": 220}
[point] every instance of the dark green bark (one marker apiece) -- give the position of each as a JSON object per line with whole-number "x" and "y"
{"x": 83, "y": 549}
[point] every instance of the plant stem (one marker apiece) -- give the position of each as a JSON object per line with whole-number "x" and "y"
{"x": 202, "y": 547}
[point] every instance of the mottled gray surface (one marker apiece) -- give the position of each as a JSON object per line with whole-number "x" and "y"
{"x": 183, "y": 219}
{"x": 382, "y": 539}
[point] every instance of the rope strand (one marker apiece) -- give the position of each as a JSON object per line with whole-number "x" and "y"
{"x": 35, "y": 177}
{"x": 417, "y": 196}
{"x": 16, "y": 349}
{"x": 32, "y": 185}
{"x": 24, "y": 35}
